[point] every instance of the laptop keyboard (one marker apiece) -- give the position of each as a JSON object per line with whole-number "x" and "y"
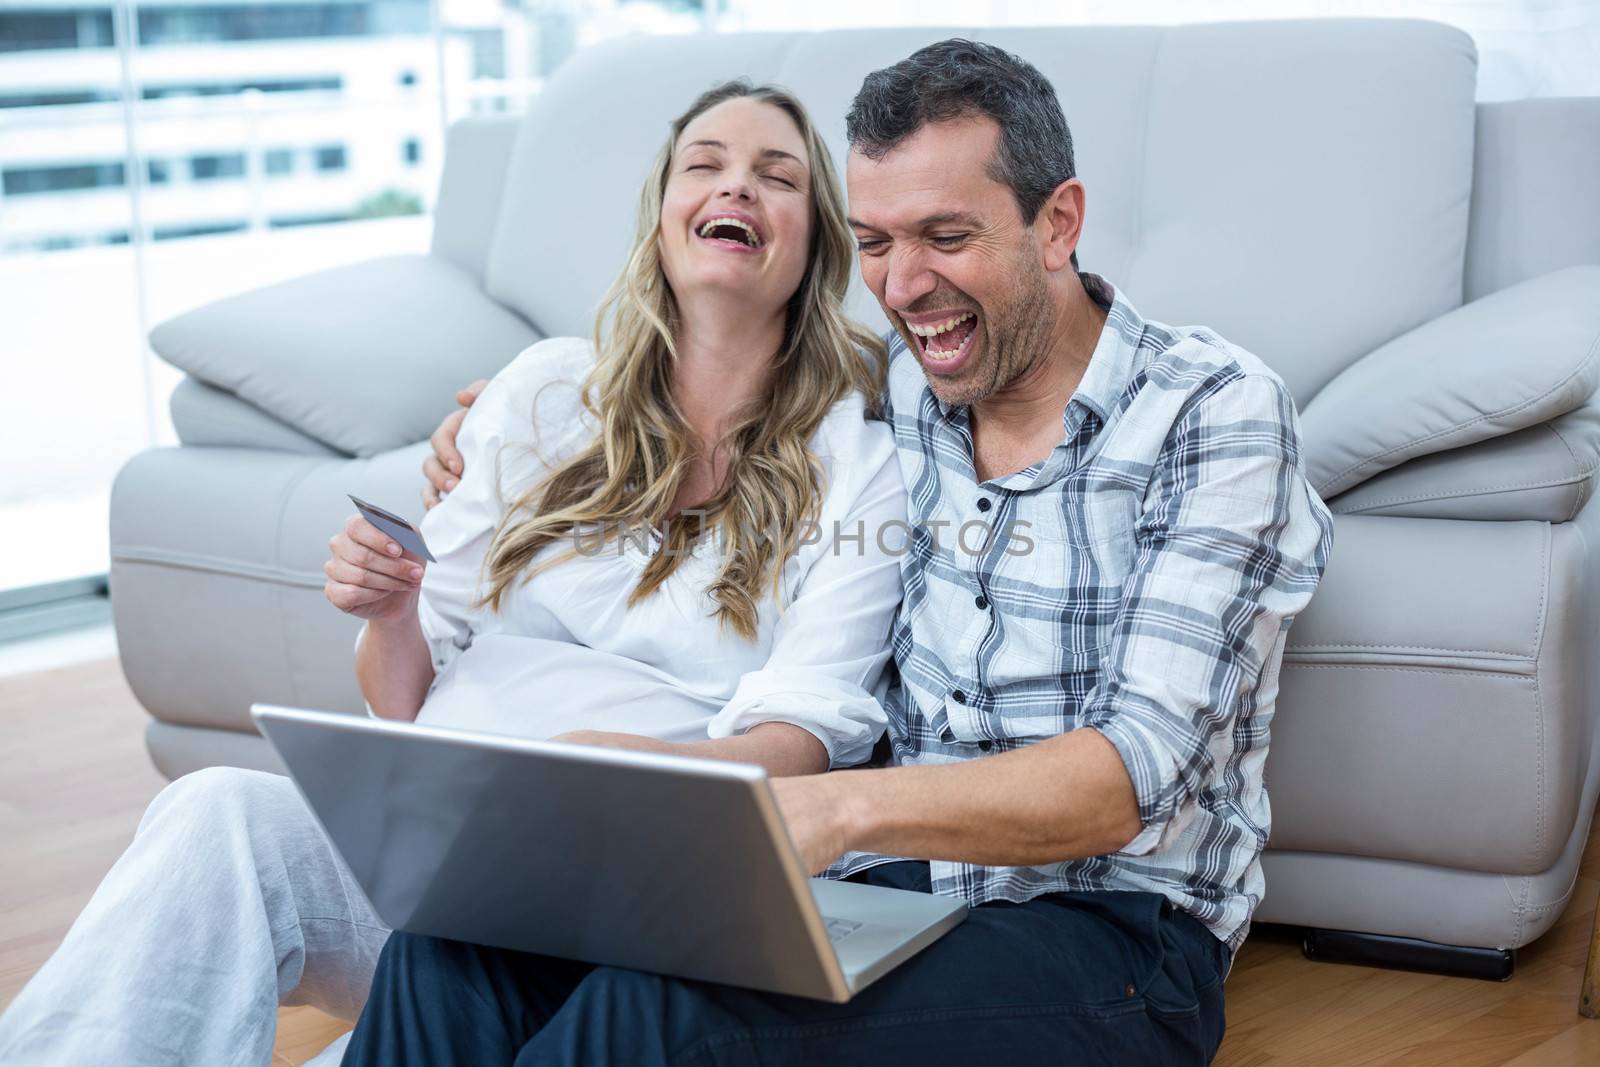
{"x": 840, "y": 928}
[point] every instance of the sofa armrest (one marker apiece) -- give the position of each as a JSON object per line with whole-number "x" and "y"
{"x": 364, "y": 358}
{"x": 1513, "y": 359}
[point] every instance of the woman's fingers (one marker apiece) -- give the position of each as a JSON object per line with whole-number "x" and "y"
{"x": 350, "y": 574}
{"x": 466, "y": 397}
{"x": 350, "y": 597}
{"x": 364, "y": 545}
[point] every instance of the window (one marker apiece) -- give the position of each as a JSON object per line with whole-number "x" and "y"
{"x": 279, "y": 161}
{"x": 20, "y": 181}
{"x": 331, "y": 157}
{"x": 158, "y": 171}
{"x": 408, "y": 78}
{"x": 167, "y": 233}
{"x": 411, "y": 151}
{"x": 280, "y": 85}
{"x": 211, "y": 168}
{"x": 22, "y": 31}
{"x": 56, "y": 99}
{"x": 285, "y": 222}
{"x": 270, "y": 21}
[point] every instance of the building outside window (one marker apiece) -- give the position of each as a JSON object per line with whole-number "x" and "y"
{"x": 279, "y": 161}
{"x": 211, "y": 168}
{"x": 330, "y": 157}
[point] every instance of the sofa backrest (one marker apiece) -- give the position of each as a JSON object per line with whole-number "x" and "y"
{"x": 1302, "y": 187}
{"x": 1534, "y": 208}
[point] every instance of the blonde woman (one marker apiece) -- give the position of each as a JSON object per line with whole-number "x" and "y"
{"x": 667, "y": 539}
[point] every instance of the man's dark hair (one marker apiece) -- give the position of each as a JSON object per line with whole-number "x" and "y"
{"x": 957, "y": 78}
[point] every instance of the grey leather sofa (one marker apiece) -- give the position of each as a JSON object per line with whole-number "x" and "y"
{"x": 1422, "y": 271}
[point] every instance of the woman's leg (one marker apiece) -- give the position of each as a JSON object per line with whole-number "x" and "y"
{"x": 229, "y": 900}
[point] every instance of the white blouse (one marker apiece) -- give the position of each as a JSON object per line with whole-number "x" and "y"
{"x": 566, "y": 652}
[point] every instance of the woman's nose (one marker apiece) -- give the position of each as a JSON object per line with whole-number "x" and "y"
{"x": 737, "y": 186}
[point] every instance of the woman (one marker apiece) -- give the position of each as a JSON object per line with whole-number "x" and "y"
{"x": 670, "y": 546}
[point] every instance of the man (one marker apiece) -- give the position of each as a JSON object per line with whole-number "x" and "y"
{"x": 1088, "y": 655}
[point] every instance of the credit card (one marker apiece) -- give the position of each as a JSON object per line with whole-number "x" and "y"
{"x": 403, "y": 532}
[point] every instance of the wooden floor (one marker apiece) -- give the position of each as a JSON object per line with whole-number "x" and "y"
{"x": 74, "y": 779}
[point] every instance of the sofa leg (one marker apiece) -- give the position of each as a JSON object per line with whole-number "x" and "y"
{"x": 1407, "y": 954}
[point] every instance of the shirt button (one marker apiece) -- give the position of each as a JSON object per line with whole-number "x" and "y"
{"x": 981, "y": 602}
{"x": 985, "y": 745}
{"x": 959, "y": 697}
{"x": 1129, "y": 991}
{"x": 983, "y": 503}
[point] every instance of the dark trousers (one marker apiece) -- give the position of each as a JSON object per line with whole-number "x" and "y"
{"x": 1071, "y": 978}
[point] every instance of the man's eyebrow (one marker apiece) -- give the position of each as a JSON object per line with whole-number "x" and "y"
{"x": 944, "y": 217}
{"x": 940, "y": 219}
{"x": 766, "y": 153}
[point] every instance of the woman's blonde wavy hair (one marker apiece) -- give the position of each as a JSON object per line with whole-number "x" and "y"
{"x": 631, "y": 474}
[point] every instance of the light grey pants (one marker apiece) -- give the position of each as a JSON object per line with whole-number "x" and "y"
{"x": 229, "y": 902}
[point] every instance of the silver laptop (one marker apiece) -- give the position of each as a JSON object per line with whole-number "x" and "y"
{"x": 659, "y": 863}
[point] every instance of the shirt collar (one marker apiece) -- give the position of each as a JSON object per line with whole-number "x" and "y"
{"x": 1111, "y": 364}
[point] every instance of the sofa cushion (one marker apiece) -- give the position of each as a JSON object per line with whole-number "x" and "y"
{"x": 215, "y": 418}
{"x": 363, "y": 358}
{"x": 1511, "y": 360}
{"x": 1546, "y": 473}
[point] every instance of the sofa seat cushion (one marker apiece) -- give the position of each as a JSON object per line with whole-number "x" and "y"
{"x": 364, "y": 358}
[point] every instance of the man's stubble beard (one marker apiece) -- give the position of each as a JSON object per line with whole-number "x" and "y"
{"x": 1016, "y": 334}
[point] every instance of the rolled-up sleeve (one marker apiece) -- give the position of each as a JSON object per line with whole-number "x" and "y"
{"x": 1230, "y": 549}
{"x": 831, "y": 642}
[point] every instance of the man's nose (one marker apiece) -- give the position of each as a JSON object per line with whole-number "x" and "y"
{"x": 908, "y": 280}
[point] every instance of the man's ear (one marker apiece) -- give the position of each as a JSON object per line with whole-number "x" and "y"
{"x": 1060, "y": 224}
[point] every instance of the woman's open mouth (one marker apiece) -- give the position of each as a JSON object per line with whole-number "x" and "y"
{"x": 736, "y": 235}
{"x": 945, "y": 345}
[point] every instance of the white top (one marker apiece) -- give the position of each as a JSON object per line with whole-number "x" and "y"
{"x": 567, "y": 652}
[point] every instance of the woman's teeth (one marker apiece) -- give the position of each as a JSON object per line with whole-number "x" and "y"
{"x": 745, "y": 231}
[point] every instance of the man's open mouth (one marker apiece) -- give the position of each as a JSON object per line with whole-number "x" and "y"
{"x": 734, "y": 231}
{"x": 946, "y": 339}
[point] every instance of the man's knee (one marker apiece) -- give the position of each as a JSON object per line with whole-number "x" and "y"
{"x": 409, "y": 958}
{"x": 615, "y": 996}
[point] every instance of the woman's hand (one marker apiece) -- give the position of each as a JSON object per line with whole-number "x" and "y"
{"x": 368, "y": 574}
{"x": 607, "y": 739}
{"x": 443, "y": 468}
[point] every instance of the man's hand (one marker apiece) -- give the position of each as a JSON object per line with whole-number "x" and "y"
{"x": 443, "y": 468}
{"x": 811, "y": 809}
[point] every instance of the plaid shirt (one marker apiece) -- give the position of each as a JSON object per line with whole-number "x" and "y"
{"x": 1140, "y": 580}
